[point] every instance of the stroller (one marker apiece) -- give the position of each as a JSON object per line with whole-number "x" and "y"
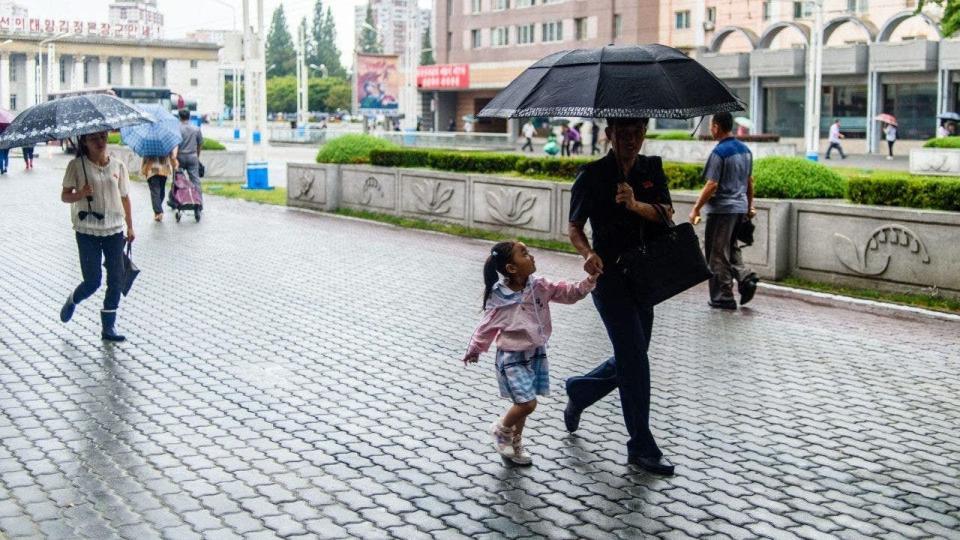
{"x": 184, "y": 196}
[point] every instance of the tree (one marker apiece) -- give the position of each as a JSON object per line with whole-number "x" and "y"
{"x": 369, "y": 40}
{"x": 282, "y": 94}
{"x": 323, "y": 49}
{"x": 426, "y": 50}
{"x": 280, "y": 52}
{"x": 950, "y": 21}
{"x": 329, "y": 94}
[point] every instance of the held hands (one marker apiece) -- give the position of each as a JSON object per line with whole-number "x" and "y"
{"x": 470, "y": 358}
{"x": 592, "y": 278}
{"x": 593, "y": 265}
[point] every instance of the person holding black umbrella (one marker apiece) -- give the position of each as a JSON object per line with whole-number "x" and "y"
{"x": 97, "y": 189}
{"x": 617, "y": 195}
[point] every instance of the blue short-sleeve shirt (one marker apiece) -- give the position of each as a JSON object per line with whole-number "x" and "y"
{"x": 730, "y": 165}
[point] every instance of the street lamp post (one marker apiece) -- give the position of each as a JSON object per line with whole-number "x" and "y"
{"x": 234, "y": 75}
{"x": 814, "y": 79}
{"x": 40, "y": 93}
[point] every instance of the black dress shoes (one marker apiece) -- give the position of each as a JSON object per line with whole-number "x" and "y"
{"x": 571, "y": 417}
{"x": 658, "y": 466}
{"x": 747, "y": 290}
{"x": 728, "y": 305}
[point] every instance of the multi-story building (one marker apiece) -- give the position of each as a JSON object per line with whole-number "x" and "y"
{"x": 143, "y": 13}
{"x": 12, "y": 10}
{"x": 391, "y": 19}
{"x": 879, "y": 56}
{"x": 489, "y": 42}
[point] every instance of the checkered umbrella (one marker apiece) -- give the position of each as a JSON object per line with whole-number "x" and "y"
{"x": 70, "y": 117}
{"x": 156, "y": 139}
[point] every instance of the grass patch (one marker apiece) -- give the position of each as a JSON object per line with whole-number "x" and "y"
{"x": 276, "y": 196}
{"x": 926, "y": 301}
{"x": 456, "y": 230}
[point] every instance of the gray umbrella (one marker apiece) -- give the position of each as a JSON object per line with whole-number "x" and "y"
{"x": 69, "y": 117}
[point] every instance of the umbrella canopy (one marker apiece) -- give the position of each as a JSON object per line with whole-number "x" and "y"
{"x": 886, "y": 118}
{"x": 69, "y": 117}
{"x": 949, "y": 116}
{"x": 636, "y": 81}
{"x": 744, "y": 121}
{"x": 155, "y": 139}
{"x": 6, "y": 117}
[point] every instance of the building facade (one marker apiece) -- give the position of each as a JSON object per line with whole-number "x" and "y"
{"x": 390, "y": 19}
{"x": 495, "y": 40}
{"x": 33, "y": 66}
{"x": 143, "y": 13}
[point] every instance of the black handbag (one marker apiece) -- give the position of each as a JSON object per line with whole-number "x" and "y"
{"x": 130, "y": 270}
{"x": 202, "y": 170}
{"x": 744, "y": 231}
{"x": 665, "y": 265}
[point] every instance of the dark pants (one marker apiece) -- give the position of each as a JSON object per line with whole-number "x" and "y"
{"x": 838, "y": 147}
{"x": 723, "y": 256}
{"x": 94, "y": 252}
{"x": 528, "y": 144}
{"x": 890, "y": 147}
{"x": 157, "y": 186}
{"x": 191, "y": 163}
{"x": 628, "y": 326}
{"x": 4, "y": 159}
{"x": 27, "y": 154}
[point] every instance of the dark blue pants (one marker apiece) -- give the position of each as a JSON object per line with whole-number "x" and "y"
{"x": 94, "y": 251}
{"x": 4, "y": 159}
{"x": 628, "y": 326}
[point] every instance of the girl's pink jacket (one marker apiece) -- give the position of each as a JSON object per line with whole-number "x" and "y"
{"x": 520, "y": 320}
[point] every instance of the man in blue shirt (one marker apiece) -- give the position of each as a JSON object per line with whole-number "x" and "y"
{"x": 727, "y": 199}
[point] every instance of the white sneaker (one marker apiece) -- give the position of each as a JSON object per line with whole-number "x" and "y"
{"x": 889, "y": 157}
{"x": 502, "y": 439}
{"x": 520, "y": 455}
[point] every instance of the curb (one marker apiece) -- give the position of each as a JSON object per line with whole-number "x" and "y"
{"x": 884, "y": 309}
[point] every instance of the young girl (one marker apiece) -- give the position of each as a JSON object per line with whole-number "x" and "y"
{"x": 518, "y": 317}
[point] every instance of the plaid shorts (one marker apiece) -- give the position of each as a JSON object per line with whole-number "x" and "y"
{"x": 523, "y": 375}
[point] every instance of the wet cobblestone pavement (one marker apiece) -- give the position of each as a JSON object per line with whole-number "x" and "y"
{"x": 294, "y": 375}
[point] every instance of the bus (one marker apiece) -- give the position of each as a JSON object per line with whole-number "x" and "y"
{"x": 133, "y": 94}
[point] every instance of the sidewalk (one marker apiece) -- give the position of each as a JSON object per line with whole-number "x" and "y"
{"x": 290, "y": 374}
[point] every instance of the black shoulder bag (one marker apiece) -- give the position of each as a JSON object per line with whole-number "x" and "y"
{"x": 665, "y": 265}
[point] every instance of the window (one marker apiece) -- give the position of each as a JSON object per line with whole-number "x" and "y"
{"x": 13, "y": 102}
{"x": 500, "y": 5}
{"x": 617, "y": 25}
{"x": 580, "y": 28}
{"x": 193, "y": 64}
{"x": 766, "y": 10}
{"x": 86, "y": 73}
{"x": 500, "y": 36}
{"x": 525, "y": 34}
{"x": 681, "y": 19}
{"x": 522, "y": 3}
{"x": 798, "y": 10}
{"x": 711, "y": 14}
{"x": 193, "y": 82}
{"x": 13, "y": 74}
{"x": 475, "y": 6}
{"x": 109, "y": 72}
{"x": 552, "y": 31}
{"x": 63, "y": 71}
{"x": 449, "y": 40}
{"x": 475, "y": 42}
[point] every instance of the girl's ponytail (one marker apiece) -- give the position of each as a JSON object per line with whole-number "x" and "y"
{"x": 500, "y": 257}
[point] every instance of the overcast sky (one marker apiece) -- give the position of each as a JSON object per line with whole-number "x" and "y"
{"x": 209, "y": 14}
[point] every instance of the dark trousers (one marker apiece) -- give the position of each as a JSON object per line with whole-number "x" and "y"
{"x": 528, "y": 144}
{"x": 838, "y": 147}
{"x": 4, "y": 159}
{"x": 723, "y": 256}
{"x": 94, "y": 252}
{"x": 628, "y": 326}
{"x": 890, "y": 147}
{"x": 27, "y": 154}
{"x": 191, "y": 163}
{"x": 157, "y": 186}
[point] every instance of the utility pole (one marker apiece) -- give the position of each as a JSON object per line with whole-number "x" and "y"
{"x": 814, "y": 80}
{"x": 302, "y": 78}
{"x": 255, "y": 86}
{"x": 410, "y": 59}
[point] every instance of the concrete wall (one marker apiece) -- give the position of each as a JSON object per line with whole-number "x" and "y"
{"x": 221, "y": 165}
{"x": 935, "y": 161}
{"x": 698, "y": 151}
{"x": 873, "y": 247}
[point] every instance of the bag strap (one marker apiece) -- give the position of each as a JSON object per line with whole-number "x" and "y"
{"x": 86, "y": 181}
{"x": 663, "y": 214}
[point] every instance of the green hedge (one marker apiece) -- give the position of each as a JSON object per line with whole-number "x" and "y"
{"x": 211, "y": 144}
{"x": 671, "y": 135}
{"x": 114, "y": 138}
{"x": 943, "y": 142}
{"x": 796, "y": 178}
{"x": 893, "y": 189}
{"x": 352, "y": 148}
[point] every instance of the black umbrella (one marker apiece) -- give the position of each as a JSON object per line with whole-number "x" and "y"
{"x": 69, "y": 117}
{"x": 636, "y": 81}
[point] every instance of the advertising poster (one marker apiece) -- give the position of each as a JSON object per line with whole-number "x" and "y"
{"x": 377, "y": 85}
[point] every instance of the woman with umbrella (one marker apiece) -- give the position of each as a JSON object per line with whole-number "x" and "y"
{"x": 95, "y": 186}
{"x": 889, "y": 131}
{"x": 157, "y": 142}
{"x": 5, "y": 118}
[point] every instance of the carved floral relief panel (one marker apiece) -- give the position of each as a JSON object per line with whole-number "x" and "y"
{"x": 512, "y": 206}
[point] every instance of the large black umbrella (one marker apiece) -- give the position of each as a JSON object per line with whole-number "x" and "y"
{"x": 635, "y": 81}
{"x": 69, "y": 117}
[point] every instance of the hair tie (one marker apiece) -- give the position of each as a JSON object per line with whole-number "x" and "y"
{"x": 494, "y": 253}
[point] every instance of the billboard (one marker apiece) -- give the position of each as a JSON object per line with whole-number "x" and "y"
{"x": 376, "y": 84}
{"x": 443, "y": 76}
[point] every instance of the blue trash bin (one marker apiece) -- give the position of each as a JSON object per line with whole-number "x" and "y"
{"x": 256, "y": 137}
{"x": 257, "y": 175}
{"x": 236, "y": 134}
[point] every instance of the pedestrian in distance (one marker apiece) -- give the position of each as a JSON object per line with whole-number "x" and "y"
{"x": 594, "y": 137}
{"x": 942, "y": 131}
{"x": 551, "y": 148}
{"x": 188, "y": 154}
{"x": 517, "y": 317}
{"x": 618, "y": 195}
{"x": 576, "y": 139}
{"x": 4, "y": 160}
{"x": 834, "y": 138}
{"x": 567, "y": 140}
{"x": 97, "y": 188}
{"x": 727, "y": 199}
{"x": 890, "y": 133}
{"x": 27, "y": 157}
{"x": 528, "y": 132}
{"x": 452, "y": 125}
{"x": 156, "y": 170}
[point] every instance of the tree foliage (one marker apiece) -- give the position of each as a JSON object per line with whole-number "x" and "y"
{"x": 369, "y": 40}
{"x": 280, "y": 52}
{"x": 426, "y": 50}
{"x": 950, "y": 21}
{"x": 327, "y": 94}
{"x": 323, "y": 41}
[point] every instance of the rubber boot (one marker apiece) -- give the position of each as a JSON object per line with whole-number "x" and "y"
{"x": 108, "y": 318}
{"x": 66, "y": 312}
